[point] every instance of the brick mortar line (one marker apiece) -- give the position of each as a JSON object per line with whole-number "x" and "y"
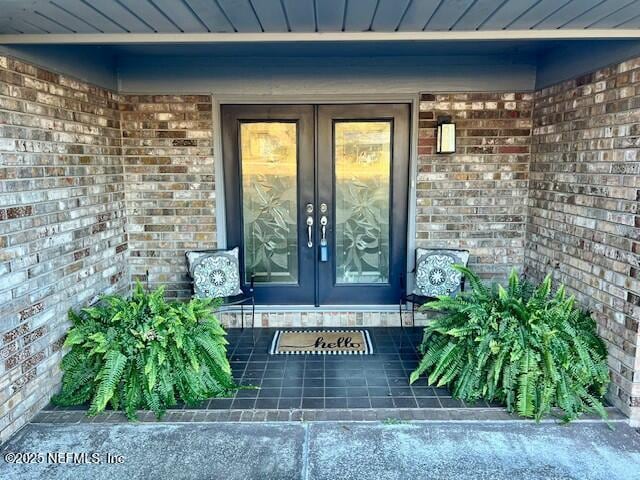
{"x": 580, "y": 282}
{"x": 65, "y": 254}
{"x": 56, "y": 188}
{"x": 553, "y": 222}
{"x": 59, "y": 232}
{"x": 584, "y": 194}
{"x": 583, "y": 261}
{"x": 61, "y": 142}
{"x": 66, "y": 98}
{"x": 65, "y": 120}
{"x": 110, "y": 262}
{"x": 13, "y": 60}
{"x": 66, "y": 199}
{"x": 599, "y": 219}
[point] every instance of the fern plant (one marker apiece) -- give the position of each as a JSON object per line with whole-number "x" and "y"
{"x": 522, "y": 345}
{"x": 144, "y": 352}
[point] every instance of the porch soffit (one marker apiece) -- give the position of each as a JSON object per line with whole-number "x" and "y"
{"x": 189, "y": 21}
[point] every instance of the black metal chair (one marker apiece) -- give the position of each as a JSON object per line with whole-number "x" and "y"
{"x": 416, "y": 300}
{"x": 244, "y": 299}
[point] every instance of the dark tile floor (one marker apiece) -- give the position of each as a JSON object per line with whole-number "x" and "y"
{"x": 290, "y": 382}
{"x": 331, "y": 381}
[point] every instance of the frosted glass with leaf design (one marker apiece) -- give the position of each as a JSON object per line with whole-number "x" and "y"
{"x": 362, "y": 192}
{"x": 269, "y": 201}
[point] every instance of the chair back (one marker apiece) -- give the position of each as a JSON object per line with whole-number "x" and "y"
{"x": 215, "y": 273}
{"x": 435, "y": 275}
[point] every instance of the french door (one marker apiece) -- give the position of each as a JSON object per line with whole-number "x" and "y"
{"x": 316, "y": 200}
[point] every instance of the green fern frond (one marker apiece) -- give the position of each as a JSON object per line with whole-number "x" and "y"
{"x": 143, "y": 352}
{"x": 108, "y": 378}
{"x": 522, "y": 345}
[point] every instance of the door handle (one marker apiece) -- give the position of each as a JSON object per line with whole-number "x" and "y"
{"x": 309, "y": 232}
{"x": 324, "y": 249}
{"x": 323, "y": 230}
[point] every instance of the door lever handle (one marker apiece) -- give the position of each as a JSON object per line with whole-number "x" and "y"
{"x": 324, "y": 248}
{"x": 323, "y": 230}
{"x": 309, "y": 234}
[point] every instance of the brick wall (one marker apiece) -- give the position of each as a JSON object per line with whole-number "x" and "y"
{"x": 62, "y": 223}
{"x": 476, "y": 199}
{"x": 77, "y": 160}
{"x": 169, "y": 175}
{"x": 584, "y": 219}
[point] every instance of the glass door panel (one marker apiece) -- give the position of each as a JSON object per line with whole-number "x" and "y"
{"x": 362, "y": 198}
{"x": 268, "y": 152}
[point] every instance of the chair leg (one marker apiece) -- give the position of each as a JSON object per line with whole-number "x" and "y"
{"x": 400, "y": 311}
{"x": 253, "y": 319}
{"x": 413, "y": 314}
{"x": 242, "y": 316}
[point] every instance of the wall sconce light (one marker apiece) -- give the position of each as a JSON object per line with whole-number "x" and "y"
{"x": 446, "y": 135}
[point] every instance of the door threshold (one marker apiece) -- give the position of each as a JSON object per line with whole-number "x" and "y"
{"x": 313, "y": 308}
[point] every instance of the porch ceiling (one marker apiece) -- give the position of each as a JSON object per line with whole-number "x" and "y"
{"x": 105, "y": 21}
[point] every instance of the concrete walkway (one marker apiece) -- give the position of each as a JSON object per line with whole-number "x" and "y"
{"x": 326, "y": 450}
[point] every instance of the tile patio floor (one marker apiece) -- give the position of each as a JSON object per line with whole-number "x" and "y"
{"x": 331, "y": 381}
{"x": 313, "y": 382}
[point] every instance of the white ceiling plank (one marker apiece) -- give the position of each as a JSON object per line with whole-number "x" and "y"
{"x": 301, "y": 15}
{"x": 568, "y": 12}
{"x": 120, "y": 15}
{"x": 26, "y": 28}
{"x": 448, "y": 13}
{"x": 63, "y": 17}
{"x": 389, "y": 15}
{"x": 618, "y": 17}
{"x": 476, "y": 15}
{"x": 150, "y": 14}
{"x": 240, "y": 13}
{"x": 591, "y": 16}
{"x": 330, "y": 15}
{"x": 417, "y": 15}
{"x": 209, "y": 12}
{"x": 15, "y": 8}
{"x": 77, "y": 7}
{"x": 632, "y": 23}
{"x": 180, "y": 14}
{"x": 508, "y": 12}
{"x": 46, "y": 24}
{"x": 9, "y": 28}
{"x": 359, "y": 15}
{"x": 538, "y": 13}
{"x": 271, "y": 15}
{"x": 5, "y": 25}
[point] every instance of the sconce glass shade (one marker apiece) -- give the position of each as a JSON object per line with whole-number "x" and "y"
{"x": 446, "y": 138}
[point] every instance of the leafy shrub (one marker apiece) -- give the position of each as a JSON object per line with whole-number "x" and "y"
{"x": 144, "y": 352}
{"x": 520, "y": 345}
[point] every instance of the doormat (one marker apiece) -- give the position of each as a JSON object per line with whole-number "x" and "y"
{"x": 326, "y": 342}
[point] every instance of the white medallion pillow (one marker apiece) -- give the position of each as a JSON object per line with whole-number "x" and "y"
{"x": 215, "y": 274}
{"x": 435, "y": 275}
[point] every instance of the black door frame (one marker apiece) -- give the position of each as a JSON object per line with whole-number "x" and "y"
{"x": 317, "y": 284}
